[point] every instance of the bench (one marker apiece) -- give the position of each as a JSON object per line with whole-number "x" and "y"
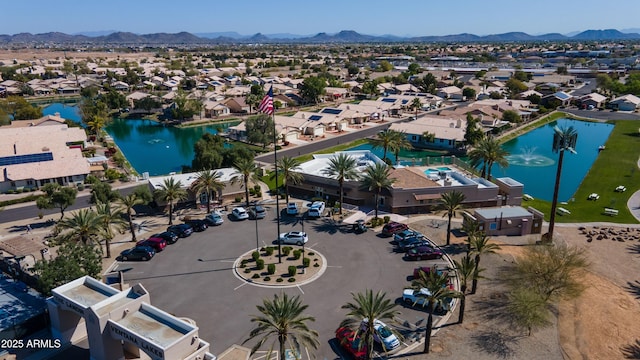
{"x": 610, "y": 212}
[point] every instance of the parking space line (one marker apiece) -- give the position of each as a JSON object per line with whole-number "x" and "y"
{"x": 241, "y": 285}
{"x": 299, "y": 288}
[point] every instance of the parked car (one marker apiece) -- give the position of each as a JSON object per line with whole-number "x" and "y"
{"x": 405, "y": 234}
{"x": 198, "y": 224}
{"x": 214, "y": 218}
{"x": 423, "y": 253}
{"x": 294, "y": 238}
{"x": 143, "y": 253}
{"x": 292, "y": 208}
{"x": 351, "y": 342}
{"x": 413, "y": 297}
{"x": 410, "y": 243}
{"x": 182, "y": 230}
{"x": 158, "y": 244}
{"x": 382, "y": 334}
{"x": 168, "y": 236}
{"x": 316, "y": 209}
{"x": 392, "y": 227}
{"x": 427, "y": 269}
{"x": 240, "y": 213}
{"x": 257, "y": 212}
{"x": 359, "y": 227}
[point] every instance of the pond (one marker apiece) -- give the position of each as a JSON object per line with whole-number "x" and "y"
{"x": 149, "y": 146}
{"x": 533, "y": 162}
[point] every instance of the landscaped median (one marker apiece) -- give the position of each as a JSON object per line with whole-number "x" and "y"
{"x": 263, "y": 268}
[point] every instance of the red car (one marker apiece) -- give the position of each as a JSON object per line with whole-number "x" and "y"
{"x": 157, "y": 243}
{"x": 351, "y": 342}
{"x": 423, "y": 253}
{"x": 393, "y": 227}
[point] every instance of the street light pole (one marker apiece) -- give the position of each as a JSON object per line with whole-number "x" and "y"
{"x": 302, "y": 223}
{"x": 255, "y": 215}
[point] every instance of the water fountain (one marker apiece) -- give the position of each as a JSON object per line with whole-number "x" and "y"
{"x": 528, "y": 157}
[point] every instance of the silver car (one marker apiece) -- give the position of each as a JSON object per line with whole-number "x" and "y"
{"x": 294, "y": 238}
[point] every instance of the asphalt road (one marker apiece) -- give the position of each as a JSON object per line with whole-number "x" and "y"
{"x": 604, "y": 115}
{"x": 194, "y": 278}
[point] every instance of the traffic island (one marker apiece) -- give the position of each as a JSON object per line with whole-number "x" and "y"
{"x": 264, "y": 267}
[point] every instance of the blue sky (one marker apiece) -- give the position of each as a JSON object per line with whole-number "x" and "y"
{"x": 411, "y": 17}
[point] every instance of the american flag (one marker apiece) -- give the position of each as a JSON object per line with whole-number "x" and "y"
{"x": 266, "y": 105}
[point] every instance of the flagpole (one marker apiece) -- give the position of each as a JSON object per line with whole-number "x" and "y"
{"x": 275, "y": 163}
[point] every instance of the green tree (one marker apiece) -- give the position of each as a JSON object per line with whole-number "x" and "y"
{"x": 246, "y": 170}
{"x": 416, "y": 105}
{"x": 399, "y": 143}
{"x": 488, "y": 152}
{"x": 511, "y": 116}
{"x": 171, "y": 190}
{"x": 515, "y": 86}
{"x": 376, "y": 178}
{"x": 148, "y": 103}
{"x": 383, "y": 140}
{"x": 564, "y": 139}
{"x": 207, "y": 182}
{"x": 469, "y": 93}
{"x": 371, "y": 307}
{"x": 101, "y": 192}
{"x": 283, "y": 319}
{"x": 183, "y": 106}
{"x": 385, "y": 66}
{"x": 56, "y": 196}
{"x": 342, "y": 167}
{"x": 452, "y": 202}
{"x": 466, "y": 270}
{"x": 208, "y": 152}
{"x": 527, "y": 309}
{"x": 436, "y": 295}
{"x": 94, "y": 113}
{"x": 127, "y": 203}
{"x": 370, "y": 88}
{"x": 260, "y": 129}
{"x": 19, "y": 108}
{"x": 72, "y": 261}
{"x": 142, "y": 192}
{"x": 428, "y": 84}
{"x": 84, "y": 225}
{"x": 478, "y": 243}
{"x": 473, "y": 132}
{"x": 312, "y": 89}
{"x": 114, "y": 99}
{"x": 112, "y": 219}
{"x": 288, "y": 167}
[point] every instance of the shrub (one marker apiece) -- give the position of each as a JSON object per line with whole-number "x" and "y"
{"x": 311, "y": 253}
{"x": 292, "y": 270}
{"x": 387, "y": 218}
{"x": 269, "y": 251}
{"x": 255, "y": 255}
{"x": 286, "y": 250}
{"x": 279, "y": 280}
{"x": 271, "y": 269}
{"x": 238, "y": 199}
{"x": 306, "y": 262}
{"x": 297, "y": 253}
{"x": 255, "y": 276}
{"x": 80, "y": 187}
{"x": 291, "y": 280}
{"x": 246, "y": 271}
{"x": 259, "y": 264}
{"x": 263, "y": 248}
{"x": 266, "y": 278}
{"x": 316, "y": 265}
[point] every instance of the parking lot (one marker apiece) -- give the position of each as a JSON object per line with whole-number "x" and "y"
{"x": 194, "y": 278}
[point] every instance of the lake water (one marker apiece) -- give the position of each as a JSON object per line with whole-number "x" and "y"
{"x": 149, "y": 146}
{"x": 533, "y": 163}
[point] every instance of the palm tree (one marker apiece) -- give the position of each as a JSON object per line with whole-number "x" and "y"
{"x": 282, "y": 317}
{"x": 479, "y": 245}
{"x": 383, "y": 140}
{"x": 466, "y": 269}
{"x": 451, "y": 203}
{"x": 171, "y": 190}
{"x": 416, "y": 104}
{"x": 127, "y": 204}
{"x": 376, "y": 178}
{"x": 564, "y": 139}
{"x": 85, "y": 226}
{"x": 246, "y": 170}
{"x": 438, "y": 292}
{"x": 289, "y": 168}
{"x": 342, "y": 167}
{"x": 370, "y": 307}
{"x": 400, "y": 143}
{"x": 488, "y": 152}
{"x": 208, "y": 182}
{"x": 111, "y": 218}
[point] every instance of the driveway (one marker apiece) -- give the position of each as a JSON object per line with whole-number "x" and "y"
{"x": 194, "y": 278}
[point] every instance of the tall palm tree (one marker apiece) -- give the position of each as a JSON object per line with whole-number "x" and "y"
{"x": 288, "y": 167}
{"x": 383, "y": 140}
{"x": 85, "y": 226}
{"x": 451, "y": 203}
{"x": 400, "y": 143}
{"x": 111, "y": 220}
{"x": 376, "y": 178}
{"x": 282, "y": 317}
{"x": 488, "y": 152}
{"x": 466, "y": 269}
{"x": 207, "y": 182}
{"x": 342, "y": 167}
{"x": 564, "y": 139}
{"x": 479, "y": 245}
{"x": 438, "y": 292}
{"x": 127, "y": 203}
{"x": 171, "y": 190}
{"x": 246, "y": 169}
{"x": 372, "y": 307}
{"x": 416, "y": 104}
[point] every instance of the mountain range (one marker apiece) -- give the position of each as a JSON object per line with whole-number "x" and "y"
{"x": 345, "y": 36}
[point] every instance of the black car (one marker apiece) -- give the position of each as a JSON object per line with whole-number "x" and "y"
{"x": 198, "y": 224}
{"x": 143, "y": 253}
{"x": 168, "y": 236}
{"x": 410, "y": 243}
{"x": 182, "y": 230}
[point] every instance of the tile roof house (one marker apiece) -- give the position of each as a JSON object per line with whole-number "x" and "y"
{"x": 447, "y": 133}
{"x": 592, "y": 101}
{"x": 625, "y": 103}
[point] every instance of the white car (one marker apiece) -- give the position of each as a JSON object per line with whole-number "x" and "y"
{"x": 294, "y": 238}
{"x": 240, "y": 213}
{"x": 292, "y": 208}
{"x": 382, "y": 334}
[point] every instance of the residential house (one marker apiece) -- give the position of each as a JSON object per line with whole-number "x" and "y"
{"x": 215, "y": 109}
{"x": 237, "y": 105}
{"x": 592, "y": 101}
{"x": 433, "y": 132}
{"x": 336, "y": 93}
{"x": 227, "y": 194}
{"x": 559, "y": 98}
{"x": 625, "y": 103}
{"x": 450, "y": 92}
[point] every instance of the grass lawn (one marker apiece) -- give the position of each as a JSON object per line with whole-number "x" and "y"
{"x": 616, "y": 165}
